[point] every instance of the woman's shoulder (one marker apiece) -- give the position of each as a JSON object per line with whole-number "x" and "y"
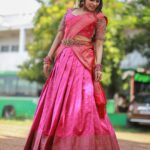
{"x": 101, "y": 15}
{"x": 67, "y": 10}
{"x": 70, "y": 9}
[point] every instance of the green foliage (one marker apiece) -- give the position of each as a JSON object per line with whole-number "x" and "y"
{"x": 121, "y": 17}
{"x": 46, "y": 23}
{"x": 140, "y": 41}
{"x": 114, "y": 47}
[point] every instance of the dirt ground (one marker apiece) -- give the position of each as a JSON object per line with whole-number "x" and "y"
{"x": 13, "y": 135}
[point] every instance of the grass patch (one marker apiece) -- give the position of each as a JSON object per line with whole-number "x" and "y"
{"x": 134, "y": 129}
{"x": 14, "y": 121}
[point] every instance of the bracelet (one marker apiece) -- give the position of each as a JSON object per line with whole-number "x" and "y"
{"x": 47, "y": 60}
{"x": 98, "y": 67}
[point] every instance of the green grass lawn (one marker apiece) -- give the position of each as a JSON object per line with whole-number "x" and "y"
{"x": 21, "y": 122}
{"x": 134, "y": 129}
{"x": 28, "y": 122}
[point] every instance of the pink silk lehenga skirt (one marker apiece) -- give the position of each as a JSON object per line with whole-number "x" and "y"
{"x": 66, "y": 117}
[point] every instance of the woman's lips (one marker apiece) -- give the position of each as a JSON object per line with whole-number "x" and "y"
{"x": 92, "y": 7}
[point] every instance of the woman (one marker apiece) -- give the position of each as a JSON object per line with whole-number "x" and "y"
{"x": 71, "y": 112}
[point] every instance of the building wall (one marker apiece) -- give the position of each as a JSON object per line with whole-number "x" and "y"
{"x": 13, "y": 48}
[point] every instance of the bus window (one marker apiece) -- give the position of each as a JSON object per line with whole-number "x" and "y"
{"x": 8, "y": 85}
{"x": 15, "y": 86}
{"x": 2, "y": 84}
{"x": 26, "y": 88}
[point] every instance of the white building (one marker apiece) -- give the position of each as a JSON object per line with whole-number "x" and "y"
{"x": 15, "y": 33}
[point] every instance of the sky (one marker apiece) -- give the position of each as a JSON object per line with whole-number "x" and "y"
{"x": 10, "y": 7}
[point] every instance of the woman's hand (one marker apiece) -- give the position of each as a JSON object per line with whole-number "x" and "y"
{"x": 46, "y": 65}
{"x": 46, "y": 68}
{"x": 98, "y": 75}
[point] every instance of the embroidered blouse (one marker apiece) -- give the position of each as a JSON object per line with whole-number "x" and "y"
{"x": 96, "y": 30}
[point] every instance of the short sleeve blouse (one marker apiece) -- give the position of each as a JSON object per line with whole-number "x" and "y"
{"x": 61, "y": 26}
{"x": 101, "y": 24}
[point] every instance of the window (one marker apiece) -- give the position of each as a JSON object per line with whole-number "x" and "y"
{"x": 4, "y": 48}
{"x": 14, "y": 48}
{"x": 26, "y": 88}
{"x": 7, "y": 85}
{"x": 142, "y": 87}
{"x": 15, "y": 86}
{"x": 2, "y": 85}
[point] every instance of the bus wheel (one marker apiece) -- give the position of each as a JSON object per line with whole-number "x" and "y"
{"x": 9, "y": 112}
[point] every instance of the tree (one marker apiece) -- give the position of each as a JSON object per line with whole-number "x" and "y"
{"x": 45, "y": 28}
{"x": 140, "y": 41}
{"x": 46, "y": 23}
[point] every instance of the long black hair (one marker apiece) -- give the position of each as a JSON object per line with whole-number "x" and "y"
{"x": 98, "y": 9}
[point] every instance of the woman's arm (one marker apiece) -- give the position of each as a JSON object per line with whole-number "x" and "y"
{"x": 99, "y": 51}
{"x": 55, "y": 44}
{"x": 99, "y": 39}
{"x": 58, "y": 37}
{"x": 57, "y": 40}
{"x": 98, "y": 59}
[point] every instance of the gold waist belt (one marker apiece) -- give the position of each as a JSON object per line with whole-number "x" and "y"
{"x": 69, "y": 42}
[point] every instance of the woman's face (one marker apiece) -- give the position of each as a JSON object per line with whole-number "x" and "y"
{"x": 91, "y": 5}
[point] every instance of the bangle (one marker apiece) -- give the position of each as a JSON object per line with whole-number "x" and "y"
{"x": 98, "y": 67}
{"x": 47, "y": 60}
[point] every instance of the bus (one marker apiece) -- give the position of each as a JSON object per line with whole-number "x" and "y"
{"x": 18, "y": 97}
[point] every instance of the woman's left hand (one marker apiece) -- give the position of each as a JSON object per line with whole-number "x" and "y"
{"x": 98, "y": 75}
{"x": 46, "y": 68}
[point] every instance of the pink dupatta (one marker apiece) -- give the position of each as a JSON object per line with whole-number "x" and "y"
{"x": 85, "y": 53}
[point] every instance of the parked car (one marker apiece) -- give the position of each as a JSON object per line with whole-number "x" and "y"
{"x": 139, "y": 109}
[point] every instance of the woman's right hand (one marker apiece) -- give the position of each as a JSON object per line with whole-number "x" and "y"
{"x": 46, "y": 68}
{"x": 98, "y": 75}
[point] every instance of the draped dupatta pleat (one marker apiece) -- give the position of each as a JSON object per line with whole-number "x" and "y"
{"x": 86, "y": 55}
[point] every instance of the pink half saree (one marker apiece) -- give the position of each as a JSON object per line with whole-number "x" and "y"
{"x": 70, "y": 114}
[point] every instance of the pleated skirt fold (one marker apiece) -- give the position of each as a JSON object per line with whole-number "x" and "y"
{"x": 66, "y": 117}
